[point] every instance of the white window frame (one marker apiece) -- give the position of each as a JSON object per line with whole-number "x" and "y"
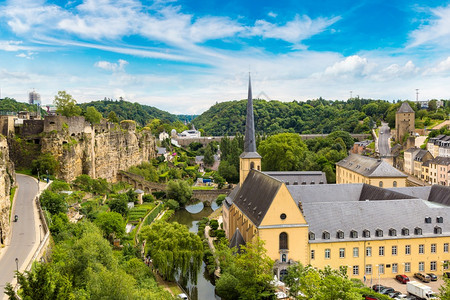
{"x": 381, "y": 251}
{"x": 407, "y": 249}
{"x": 421, "y": 249}
{"x": 369, "y": 251}
{"x": 368, "y": 270}
{"x": 433, "y": 266}
{"x": 355, "y": 252}
{"x": 433, "y": 248}
{"x": 421, "y": 266}
{"x": 394, "y": 268}
{"x": 355, "y": 270}
{"x": 407, "y": 267}
{"x": 394, "y": 250}
{"x": 327, "y": 253}
{"x": 341, "y": 252}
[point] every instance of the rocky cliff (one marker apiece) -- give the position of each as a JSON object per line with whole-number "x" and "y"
{"x": 99, "y": 150}
{"x": 7, "y": 177}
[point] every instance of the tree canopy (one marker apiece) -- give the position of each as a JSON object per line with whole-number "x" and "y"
{"x": 66, "y": 105}
{"x": 173, "y": 249}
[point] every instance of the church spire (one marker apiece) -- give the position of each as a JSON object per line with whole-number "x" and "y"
{"x": 249, "y": 142}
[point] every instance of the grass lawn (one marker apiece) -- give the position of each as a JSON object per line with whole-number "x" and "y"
{"x": 206, "y": 188}
{"x": 419, "y": 123}
{"x": 11, "y": 199}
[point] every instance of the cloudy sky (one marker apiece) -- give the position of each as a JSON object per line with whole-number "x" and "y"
{"x": 184, "y": 56}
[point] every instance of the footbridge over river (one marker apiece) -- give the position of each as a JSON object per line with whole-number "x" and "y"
{"x": 139, "y": 182}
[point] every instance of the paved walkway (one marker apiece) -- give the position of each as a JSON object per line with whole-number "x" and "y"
{"x": 26, "y": 232}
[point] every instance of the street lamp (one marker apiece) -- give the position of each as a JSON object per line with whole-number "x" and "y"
{"x": 40, "y": 239}
{"x": 17, "y": 264}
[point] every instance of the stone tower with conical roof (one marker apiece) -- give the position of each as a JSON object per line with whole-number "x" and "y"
{"x": 404, "y": 122}
{"x": 249, "y": 159}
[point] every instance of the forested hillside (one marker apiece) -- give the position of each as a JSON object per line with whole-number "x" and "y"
{"x": 313, "y": 116}
{"x": 11, "y": 105}
{"x": 125, "y": 110}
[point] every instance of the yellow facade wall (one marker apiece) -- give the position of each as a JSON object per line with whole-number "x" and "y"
{"x": 375, "y": 259}
{"x": 344, "y": 176}
{"x": 294, "y": 225}
{"x": 245, "y": 167}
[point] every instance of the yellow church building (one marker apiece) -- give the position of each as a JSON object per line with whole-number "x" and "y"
{"x": 373, "y": 231}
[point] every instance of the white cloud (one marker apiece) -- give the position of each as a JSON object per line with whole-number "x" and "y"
{"x": 395, "y": 70}
{"x": 11, "y": 45}
{"x": 434, "y": 31}
{"x": 295, "y": 31}
{"x": 442, "y": 67}
{"x": 272, "y": 14}
{"x": 113, "y": 67}
{"x": 352, "y": 66}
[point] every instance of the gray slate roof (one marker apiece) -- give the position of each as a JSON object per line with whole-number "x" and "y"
{"x": 405, "y": 108}
{"x": 299, "y": 177}
{"x": 369, "y": 167}
{"x": 237, "y": 240}
{"x": 256, "y": 195}
{"x": 249, "y": 141}
{"x": 419, "y": 156}
{"x": 441, "y": 160}
{"x": 373, "y": 215}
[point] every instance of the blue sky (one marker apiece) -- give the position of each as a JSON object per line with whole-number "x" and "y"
{"x": 184, "y": 56}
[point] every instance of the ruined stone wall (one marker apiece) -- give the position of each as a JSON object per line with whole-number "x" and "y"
{"x": 99, "y": 151}
{"x": 7, "y": 178}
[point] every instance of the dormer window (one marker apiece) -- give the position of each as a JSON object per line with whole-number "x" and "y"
{"x": 428, "y": 220}
{"x": 340, "y": 234}
{"x": 366, "y": 233}
{"x": 378, "y": 233}
{"x": 417, "y": 231}
{"x": 405, "y": 231}
{"x": 311, "y": 236}
{"x": 326, "y": 235}
{"x": 392, "y": 232}
{"x": 354, "y": 234}
{"x": 437, "y": 230}
{"x": 439, "y": 220}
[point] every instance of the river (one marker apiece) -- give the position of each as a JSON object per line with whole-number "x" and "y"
{"x": 204, "y": 289}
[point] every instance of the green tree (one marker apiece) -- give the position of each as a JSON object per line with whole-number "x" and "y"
{"x": 92, "y": 115}
{"x": 112, "y": 117}
{"x": 45, "y": 162}
{"x": 250, "y": 269}
{"x": 119, "y": 204}
{"x": 111, "y": 223}
{"x": 174, "y": 249}
{"x": 179, "y": 190}
{"x": 444, "y": 290}
{"x": 282, "y": 152}
{"x": 228, "y": 171}
{"x": 54, "y": 203}
{"x": 83, "y": 182}
{"x": 208, "y": 158}
{"x": 41, "y": 284}
{"x": 66, "y": 105}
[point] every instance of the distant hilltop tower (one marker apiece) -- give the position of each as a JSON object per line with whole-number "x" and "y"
{"x": 34, "y": 98}
{"x": 404, "y": 121}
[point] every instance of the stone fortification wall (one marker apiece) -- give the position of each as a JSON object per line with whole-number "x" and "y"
{"x": 7, "y": 178}
{"x": 100, "y": 150}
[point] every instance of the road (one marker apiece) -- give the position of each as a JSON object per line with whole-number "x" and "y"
{"x": 383, "y": 140}
{"x": 23, "y": 238}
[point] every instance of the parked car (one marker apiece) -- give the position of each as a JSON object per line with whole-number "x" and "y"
{"x": 370, "y": 298}
{"x": 16, "y": 218}
{"x": 402, "y": 297}
{"x": 377, "y": 287}
{"x": 402, "y": 278}
{"x": 433, "y": 277}
{"x": 446, "y": 274}
{"x": 394, "y": 294}
{"x": 386, "y": 290}
{"x": 422, "y": 277}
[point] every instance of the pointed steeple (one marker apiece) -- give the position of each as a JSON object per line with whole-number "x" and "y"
{"x": 249, "y": 142}
{"x": 249, "y": 159}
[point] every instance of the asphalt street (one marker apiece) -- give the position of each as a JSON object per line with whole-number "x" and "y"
{"x": 23, "y": 237}
{"x": 383, "y": 140}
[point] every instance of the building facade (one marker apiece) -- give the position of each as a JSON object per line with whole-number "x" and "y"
{"x": 374, "y": 231}
{"x": 363, "y": 169}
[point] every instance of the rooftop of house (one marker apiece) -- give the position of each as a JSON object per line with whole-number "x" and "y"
{"x": 440, "y": 160}
{"x": 420, "y": 155}
{"x": 299, "y": 177}
{"x": 369, "y": 167}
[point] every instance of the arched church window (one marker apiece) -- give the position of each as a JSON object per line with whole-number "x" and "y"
{"x": 283, "y": 241}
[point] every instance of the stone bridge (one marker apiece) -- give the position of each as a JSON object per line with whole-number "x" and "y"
{"x": 139, "y": 182}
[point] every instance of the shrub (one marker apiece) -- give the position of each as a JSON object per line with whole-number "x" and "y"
{"x": 214, "y": 224}
{"x": 220, "y": 199}
{"x": 172, "y": 204}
